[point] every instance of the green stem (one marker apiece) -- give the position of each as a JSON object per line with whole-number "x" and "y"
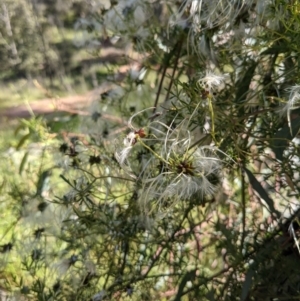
{"x": 212, "y": 116}
{"x": 152, "y": 151}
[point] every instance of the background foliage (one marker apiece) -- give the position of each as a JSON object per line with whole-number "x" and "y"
{"x": 180, "y": 181}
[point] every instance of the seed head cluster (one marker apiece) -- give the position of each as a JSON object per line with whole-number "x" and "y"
{"x": 173, "y": 171}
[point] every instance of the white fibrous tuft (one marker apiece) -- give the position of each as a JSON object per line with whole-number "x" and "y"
{"x": 211, "y": 81}
{"x": 167, "y": 168}
{"x": 203, "y": 14}
{"x": 184, "y": 175}
{"x": 292, "y": 103}
{"x": 294, "y": 99}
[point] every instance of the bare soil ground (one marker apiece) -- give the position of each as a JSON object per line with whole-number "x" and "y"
{"x": 72, "y": 104}
{"x": 75, "y": 104}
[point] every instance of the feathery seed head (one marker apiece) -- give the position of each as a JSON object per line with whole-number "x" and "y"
{"x": 203, "y": 14}
{"x": 129, "y": 141}
{"x": 211, "y": 81}
{"x": 171, "y": 171}
{"x": 294, "y": 98}
{"x": 199, "y": 173}
{"x": 292, "y": 103}
{"x": 184, "y": 175}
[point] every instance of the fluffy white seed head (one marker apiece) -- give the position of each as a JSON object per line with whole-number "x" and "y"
{"x": 211, "y": 81}
{"x": 188, "y": 176}
{"x": 292, "y": 103}
{"x": 202, "y": 14}
{"x": 294, "y": 99}
{"x": 198, "y": 179}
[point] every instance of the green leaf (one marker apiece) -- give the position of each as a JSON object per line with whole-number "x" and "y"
{"x": 18, "y": 129}
{"x": 276, "y": 49}
{"x": 189, "y": 276}
{"x": 23, "y": 162}
{"x": 283, "y": 137}
{"x": 22, "y": 141}
{"x": 210, "y": 295}
{"x": 2, "y": 185}
{"x": 261, "y": 191}
{"x": 66, "y": 180}
{"x": 43, "y": 182}
{"x": 77, "y": 212}
{"x": 244, "y": 83}
{"x": 247, "y": 284}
